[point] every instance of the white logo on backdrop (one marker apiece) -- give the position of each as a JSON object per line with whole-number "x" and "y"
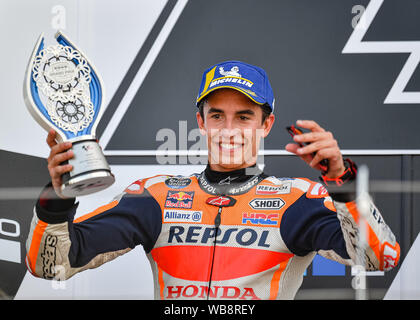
{"x": 356, "y": 45}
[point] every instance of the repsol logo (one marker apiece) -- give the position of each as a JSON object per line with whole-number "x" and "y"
{"x": 205, "y": 235}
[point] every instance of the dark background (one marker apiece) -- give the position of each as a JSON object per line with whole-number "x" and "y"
{"x": 299, "y": 44}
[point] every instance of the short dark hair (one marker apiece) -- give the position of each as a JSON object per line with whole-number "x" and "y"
{"x": 266, "y": 109}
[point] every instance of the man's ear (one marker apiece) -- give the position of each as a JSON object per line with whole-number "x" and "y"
{"x": 268, "y": 124}
{"x": 200, "y": 122}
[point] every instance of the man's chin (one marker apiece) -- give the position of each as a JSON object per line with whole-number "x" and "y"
{"x": 230, "y": 165}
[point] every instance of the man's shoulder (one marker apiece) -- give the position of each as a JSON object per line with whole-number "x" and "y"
{"x": 168, "y": 180}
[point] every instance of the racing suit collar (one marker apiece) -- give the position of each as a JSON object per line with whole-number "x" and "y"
{"x": 230, "y": 182}
{"x": 227, "y": 177}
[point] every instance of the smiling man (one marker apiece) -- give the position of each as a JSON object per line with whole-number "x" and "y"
{"x": 234, "y": 129}
{"x": 229, "y": 232}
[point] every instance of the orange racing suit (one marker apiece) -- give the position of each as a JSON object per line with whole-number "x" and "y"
{"x": 240, "y": 237}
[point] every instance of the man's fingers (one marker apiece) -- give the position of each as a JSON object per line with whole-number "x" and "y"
{"x": 293, "y": 147}
{"x": 58, "y": 171}
{"x": 56, "y": 174}
{"x": 310, "y": 124}
{"x": 326, "y": 153}
{"x": 59, "y": 153}
{"x": 56, "y": 182}
{"x": 313, "y": 136}
{"x": 60, "y": 158}
{"x": 317, "y": 145}
{"x": 56, "y": 147}
{"x": 59, "y": 148}
{"x": 51, "y": 138}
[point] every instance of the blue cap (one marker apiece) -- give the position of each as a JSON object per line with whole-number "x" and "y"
{"x": 250, "y": 80}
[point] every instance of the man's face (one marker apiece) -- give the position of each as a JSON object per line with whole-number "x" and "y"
{"x": 234, "y": 128}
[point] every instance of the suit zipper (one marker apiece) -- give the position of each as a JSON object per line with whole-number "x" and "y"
{"x": 217, "y": 221}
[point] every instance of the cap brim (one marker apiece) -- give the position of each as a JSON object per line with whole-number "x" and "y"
{"x": 255, "y": 99}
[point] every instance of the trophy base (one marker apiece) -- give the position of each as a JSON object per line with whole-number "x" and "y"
{"x": 87, "y": 183}
{"x": 91, "y": 172}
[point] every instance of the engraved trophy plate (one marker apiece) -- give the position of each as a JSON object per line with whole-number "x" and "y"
{"x": 63, "y": 91}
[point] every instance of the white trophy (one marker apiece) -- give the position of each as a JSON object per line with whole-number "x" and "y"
{"x": 63, "y": 91}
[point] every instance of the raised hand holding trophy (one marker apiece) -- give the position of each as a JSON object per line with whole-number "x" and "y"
{"x": 63, "y": 91}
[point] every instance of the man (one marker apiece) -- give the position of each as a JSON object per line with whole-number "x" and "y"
{"x": 230, "y": 232}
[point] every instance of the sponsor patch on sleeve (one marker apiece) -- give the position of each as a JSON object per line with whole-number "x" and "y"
{"x": 265, "y": 189}
{"x": 317, "y": 191}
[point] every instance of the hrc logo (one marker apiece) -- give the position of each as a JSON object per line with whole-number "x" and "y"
{"x": 260, "y": 218}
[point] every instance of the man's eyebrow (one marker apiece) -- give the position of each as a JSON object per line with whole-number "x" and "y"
{"x": 214, "y": 110}
{"x": 246, "y": 111}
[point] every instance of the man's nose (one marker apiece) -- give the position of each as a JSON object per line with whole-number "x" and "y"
{"x": 229, "y": 126}
{"x": 229, "y": 131}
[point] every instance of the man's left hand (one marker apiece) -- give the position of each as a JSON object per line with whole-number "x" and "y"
{"x": 323, "y": 143}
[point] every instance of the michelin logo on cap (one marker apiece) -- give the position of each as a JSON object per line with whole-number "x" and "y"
{"x": 234, "y": 72}
{"x": 233, "y": 76}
